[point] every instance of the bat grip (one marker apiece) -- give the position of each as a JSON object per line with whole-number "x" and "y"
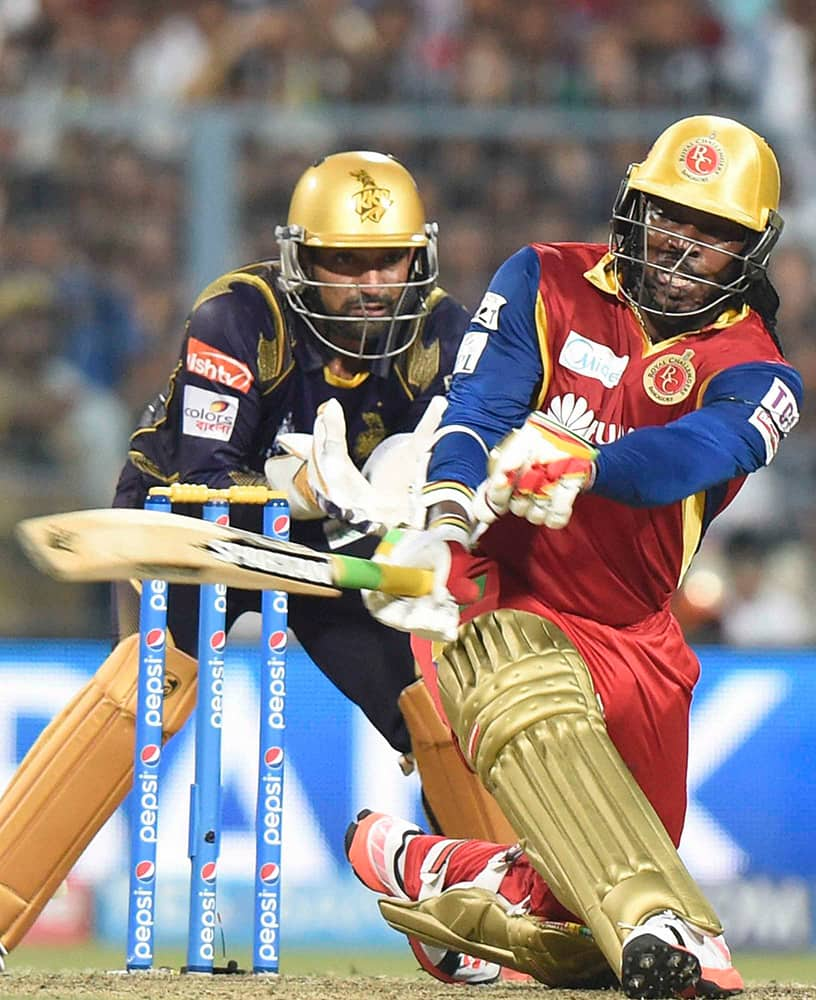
{"x": 364, "y": 574}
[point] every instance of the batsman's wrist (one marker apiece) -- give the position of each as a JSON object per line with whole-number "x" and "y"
{"x": 452, "y": 528}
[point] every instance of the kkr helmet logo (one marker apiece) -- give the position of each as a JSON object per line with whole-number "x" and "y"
{"x": 372, "y": 202}
{"x": 701, "y": 159}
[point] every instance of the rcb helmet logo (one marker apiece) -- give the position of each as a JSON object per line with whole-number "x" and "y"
{"x": 371, "y": 202}
{"x": 670, "y": 378}
{"x": 701, "y": 159}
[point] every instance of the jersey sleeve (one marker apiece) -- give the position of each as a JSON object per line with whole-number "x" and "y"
{"x": 496, "y": 373}
{"x": 218, "y": 382}
{"x": 746, "y": 411}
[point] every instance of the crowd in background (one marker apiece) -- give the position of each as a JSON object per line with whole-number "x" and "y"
{"x": 93, "y": 219}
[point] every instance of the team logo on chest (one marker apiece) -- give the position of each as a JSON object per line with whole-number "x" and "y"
{"x": 670, "y": 378}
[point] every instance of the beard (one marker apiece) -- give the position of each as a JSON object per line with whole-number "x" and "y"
{"x": 356, "y": 333}
{"x": 667, "y": 283}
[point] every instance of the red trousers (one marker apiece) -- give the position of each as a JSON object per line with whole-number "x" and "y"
{"x": 643, "y": 674}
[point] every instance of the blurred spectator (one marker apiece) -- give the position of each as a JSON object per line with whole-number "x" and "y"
{"x": 767, "y": 600}
{"x": 56, "y": 428}
{"x": 99, "y": 203}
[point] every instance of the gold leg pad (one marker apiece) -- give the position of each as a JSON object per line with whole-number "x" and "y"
{"x": 472, "y": 921}
{"x": 461, "y": 805}
{"x": 73, "y": 778}
{"x": 521, "y": 700}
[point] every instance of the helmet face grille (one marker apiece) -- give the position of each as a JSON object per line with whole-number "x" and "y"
{"x": 636, "y": 266}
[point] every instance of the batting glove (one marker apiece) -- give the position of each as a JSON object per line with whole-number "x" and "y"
{"x": 536, "y": 472}
{"x": 434, "y": 616}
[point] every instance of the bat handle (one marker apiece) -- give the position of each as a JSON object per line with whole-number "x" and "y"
{"x": 364, "y": 574}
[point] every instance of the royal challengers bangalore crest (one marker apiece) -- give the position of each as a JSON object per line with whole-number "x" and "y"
{"x": 670, "y": 378}
{"x": 371, "y": 201}
{"x": 701, "y": 159}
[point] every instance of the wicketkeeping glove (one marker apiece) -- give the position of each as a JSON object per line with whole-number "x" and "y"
{"x": 536, "y": 472}
{"x": 388, "y": 491}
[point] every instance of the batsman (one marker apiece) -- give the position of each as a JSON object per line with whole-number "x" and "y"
{"x": 608, "y": 402}
{"x": 348, "y": 321}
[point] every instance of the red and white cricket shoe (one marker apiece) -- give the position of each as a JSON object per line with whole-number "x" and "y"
{"x": 376, "y": 847}
{"x": 666, "y": 956}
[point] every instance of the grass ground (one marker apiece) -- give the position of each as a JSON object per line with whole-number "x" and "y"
{"x": 763, "y": 967}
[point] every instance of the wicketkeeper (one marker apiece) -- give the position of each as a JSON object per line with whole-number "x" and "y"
{"x": 348, "y": 320}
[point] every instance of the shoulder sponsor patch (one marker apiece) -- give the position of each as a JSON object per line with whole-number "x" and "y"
{"x": 209, "y": 363}
{"x": 768, "y": 431}
{"x": 487, "y": 314}
{"x": 780, "y": 402}
{"x": 587, "y": 357}
{"x": 470, "y": 350}
{"x": 208, "y": 414}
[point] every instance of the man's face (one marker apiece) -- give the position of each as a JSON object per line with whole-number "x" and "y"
{"x": 357, "y": 286}
{"x": 688, "y": 244}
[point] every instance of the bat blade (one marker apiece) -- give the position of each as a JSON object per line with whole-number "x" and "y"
{"x": 124, "y": 544}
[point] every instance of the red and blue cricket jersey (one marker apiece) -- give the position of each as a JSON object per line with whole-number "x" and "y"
{"x": 679, "y": 424}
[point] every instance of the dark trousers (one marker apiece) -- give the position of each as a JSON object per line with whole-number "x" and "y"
{"x": 368, "y": 662}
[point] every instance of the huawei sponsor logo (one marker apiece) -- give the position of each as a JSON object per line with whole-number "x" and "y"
{"x": 574, "y": 413}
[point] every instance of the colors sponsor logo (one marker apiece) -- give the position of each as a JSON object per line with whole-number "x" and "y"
{"x": 209, "y": 363}
{"x": 207, "y": 414}
{"x": 273, "y": 756}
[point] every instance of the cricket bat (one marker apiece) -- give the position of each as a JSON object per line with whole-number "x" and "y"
{"x": 126, "y": 544}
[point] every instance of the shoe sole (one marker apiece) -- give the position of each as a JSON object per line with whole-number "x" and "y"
{"x": 654, "y": 970}
{"x": 443, "y": 971}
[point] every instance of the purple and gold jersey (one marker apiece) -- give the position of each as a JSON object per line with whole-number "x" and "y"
{"x": 679, "y": 424}
{"x": 249, "y": 370}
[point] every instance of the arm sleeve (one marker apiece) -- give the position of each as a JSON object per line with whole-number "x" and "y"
{"x": 497, "y": 371}
{"x": 224, "y": 331}
{"x": 745, "y": 412}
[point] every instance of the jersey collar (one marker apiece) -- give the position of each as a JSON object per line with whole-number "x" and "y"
{"x": 602, "y": 276}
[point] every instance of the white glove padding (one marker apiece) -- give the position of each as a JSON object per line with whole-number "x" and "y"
{"x": 287, "y": 473}
{"x": 399, "y": 464}
{"x": 434, "y": 616}
{"x": 396, "y": 470}
{"x": 536, "y": 472}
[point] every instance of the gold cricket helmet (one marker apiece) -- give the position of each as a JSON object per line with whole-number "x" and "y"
{"x": 358, "y": 200}
{"x": 709, "y": 164}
